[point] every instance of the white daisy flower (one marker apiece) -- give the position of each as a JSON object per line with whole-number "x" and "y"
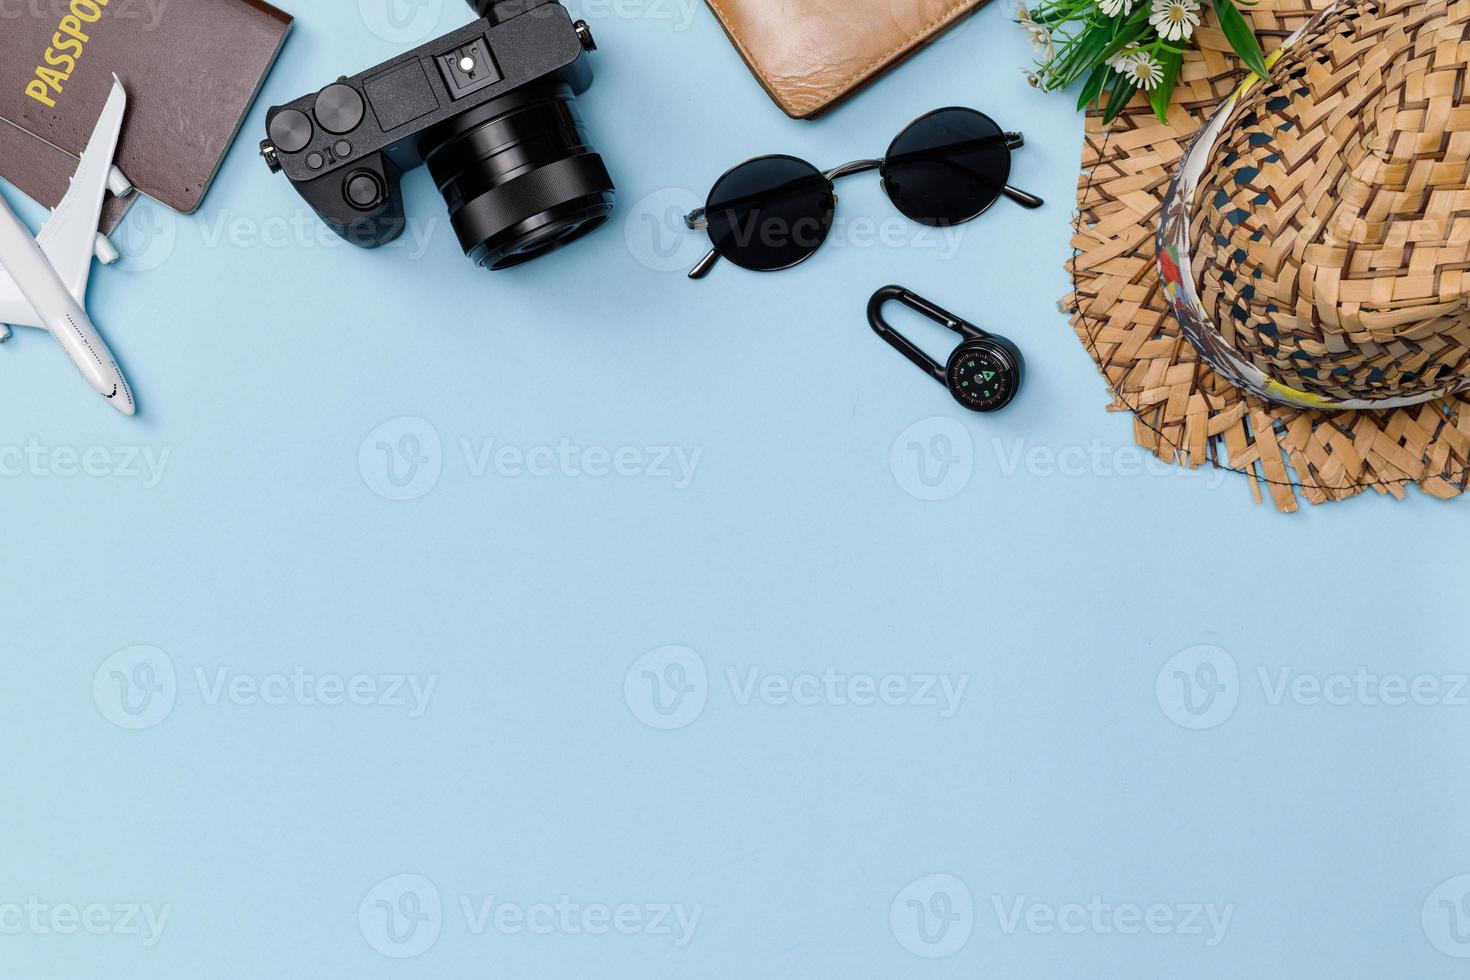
{"x": 1022, "y": 14}
{"x": 1113, "y": 8}
{"x": 1119, "y": 61}
{"x": 1144, "y": 70}
{"x": 1032, "y": 79}
{"x": 1040, "y": 39}
{"x": 1175, "y": 20}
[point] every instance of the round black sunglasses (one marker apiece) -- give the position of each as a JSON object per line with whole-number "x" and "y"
{"x": 773, "y": 212}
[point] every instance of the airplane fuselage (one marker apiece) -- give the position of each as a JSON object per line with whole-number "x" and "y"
{"x": 60, "y": 313}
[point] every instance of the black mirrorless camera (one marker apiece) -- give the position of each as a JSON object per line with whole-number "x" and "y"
{"x": 490, "y": 108}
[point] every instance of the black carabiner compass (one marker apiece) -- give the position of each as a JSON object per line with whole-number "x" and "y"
{"x": 984, "y": 372}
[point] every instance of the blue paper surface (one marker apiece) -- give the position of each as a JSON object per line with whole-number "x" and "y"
{"x": 583, "y": 621}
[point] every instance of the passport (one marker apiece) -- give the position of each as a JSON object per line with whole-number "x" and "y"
{"x": 191, "y": 68}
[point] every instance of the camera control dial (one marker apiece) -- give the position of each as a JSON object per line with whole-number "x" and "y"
{"x": 339, "y": 109}
{"x": 291, "y": 131}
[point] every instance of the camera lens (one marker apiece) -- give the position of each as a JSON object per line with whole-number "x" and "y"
{"x": 519, "y": 176}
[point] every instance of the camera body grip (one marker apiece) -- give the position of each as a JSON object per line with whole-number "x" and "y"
{"x": 378, "y": 184}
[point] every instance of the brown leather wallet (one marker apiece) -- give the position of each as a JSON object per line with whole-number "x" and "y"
{"x": 810, "y": 54}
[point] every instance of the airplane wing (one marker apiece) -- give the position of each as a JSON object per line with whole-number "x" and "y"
{"x": 14, "y": 309}
{"x": 69, "y": 237}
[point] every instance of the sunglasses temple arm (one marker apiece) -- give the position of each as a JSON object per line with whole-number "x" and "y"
{"x": 1022, "y": 198}
{"x": 696, "y": 220}
{"x": 1014, "y": 141}
{"x": 705, "y": 265}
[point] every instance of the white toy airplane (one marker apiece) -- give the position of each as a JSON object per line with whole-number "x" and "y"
{"x": 43, "y": 280}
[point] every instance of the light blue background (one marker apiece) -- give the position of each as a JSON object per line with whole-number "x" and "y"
{"x": 266, "y": 357}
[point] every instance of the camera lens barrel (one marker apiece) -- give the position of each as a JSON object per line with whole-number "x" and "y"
{"x": 519, "y": 175}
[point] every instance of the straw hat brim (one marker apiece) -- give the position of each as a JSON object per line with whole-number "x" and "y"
{"x": 1183, "y": 411}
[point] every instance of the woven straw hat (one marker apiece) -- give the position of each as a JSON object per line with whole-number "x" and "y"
{"x": 1304, "y": 315}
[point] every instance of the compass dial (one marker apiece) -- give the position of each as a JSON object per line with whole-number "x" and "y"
{"x": 983, "y": 376}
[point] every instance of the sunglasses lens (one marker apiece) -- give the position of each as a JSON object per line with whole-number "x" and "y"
{"x": 770, "y": 213}
{"x": 947, "y": 167}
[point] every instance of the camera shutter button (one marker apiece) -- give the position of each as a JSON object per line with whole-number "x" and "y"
{"x": 339, "y": 108}
{"x": 364, "y": 191}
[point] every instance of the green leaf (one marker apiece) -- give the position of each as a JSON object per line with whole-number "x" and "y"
{"x": 1049, "y": 18}
{"x": 1159, "y": 97}
{"x": 1081, "y": 58}
{"x": 1065, "y": 68}
{"x": 1093, "y": 88}
{"x": 1241, "y": 37}
{"x": 1127, "y": 36}
{"x": 1123, "y": 90}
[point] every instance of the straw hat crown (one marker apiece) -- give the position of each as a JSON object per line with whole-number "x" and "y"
{"x": 1329, "y": 231}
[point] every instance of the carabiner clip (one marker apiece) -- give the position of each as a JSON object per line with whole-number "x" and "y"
{"x": 984, "y": 372}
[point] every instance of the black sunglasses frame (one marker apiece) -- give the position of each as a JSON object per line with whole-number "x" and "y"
{"x": 698, "y": 219}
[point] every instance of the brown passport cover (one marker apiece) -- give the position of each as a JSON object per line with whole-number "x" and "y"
{"x": 191, "y": 68}
{"x": 810, "y": 54}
